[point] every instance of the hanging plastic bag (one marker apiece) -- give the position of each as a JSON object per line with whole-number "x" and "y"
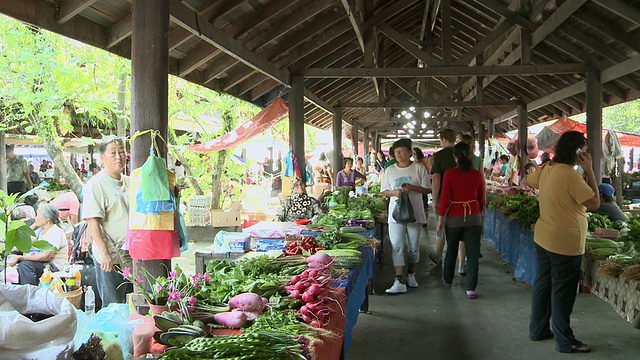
{"x": 112, "y": 325}
{"x": 147, "y": 221}
{"x": 403, "y": 211}
{"x": 288, "y": 165}
{"x": 155, "y": 184}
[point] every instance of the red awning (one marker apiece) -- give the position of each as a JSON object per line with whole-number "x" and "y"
{"x": 268, "y": 117}
{"x": 565, "y": 124}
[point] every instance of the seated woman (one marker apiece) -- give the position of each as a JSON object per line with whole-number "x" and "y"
{"x": 349, "y": 177}
{"x": 31, "y": 266}
{"x": 299, "y": 205}
{"x": 608, "y": 206}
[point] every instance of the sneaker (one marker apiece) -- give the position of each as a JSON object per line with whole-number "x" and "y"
{"x": 411, "y": 281}
{"x": 472, "y": 294}
{"x": 397, "y": 288}
{"x": 462, "y": 271}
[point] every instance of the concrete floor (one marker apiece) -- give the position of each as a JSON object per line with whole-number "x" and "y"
{"x": 436, "y": 322}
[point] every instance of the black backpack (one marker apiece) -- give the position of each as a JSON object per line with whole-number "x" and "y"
{"x": 77, "y": 255}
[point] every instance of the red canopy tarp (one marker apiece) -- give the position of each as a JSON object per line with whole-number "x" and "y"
{"x": 565, "y": 124}
{"x": 264, "y": 120}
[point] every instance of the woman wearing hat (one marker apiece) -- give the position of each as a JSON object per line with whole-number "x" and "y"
{"x": 608, "y": 206}
{"x": 410, "y": 177}
{"x": 299, "y": 205}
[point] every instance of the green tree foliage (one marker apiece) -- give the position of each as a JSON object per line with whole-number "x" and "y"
{"x": 622, "y": 117}
{"x": 47, "y": 81}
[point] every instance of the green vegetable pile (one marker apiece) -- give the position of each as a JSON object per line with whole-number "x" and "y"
{"x": 261, "y": 275}
{"x": 521, "y": 208}
{"x": 339, "y": 240}
{"x": 375, "y": 188}
{"x": 597, "y": 221}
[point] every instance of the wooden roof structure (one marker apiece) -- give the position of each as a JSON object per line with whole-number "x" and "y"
{"x": 462, "y": 61}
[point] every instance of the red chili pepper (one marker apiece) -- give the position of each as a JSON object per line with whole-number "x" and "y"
{"x": 320, "y": 248}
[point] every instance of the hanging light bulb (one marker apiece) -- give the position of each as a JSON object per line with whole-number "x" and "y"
{"x": 412, "y": 108}
{"x": 408, "y": 115}
{"x": 410, "y": 125}
{"x": 413, "y": 122}
{"x": 404, "y": 112}
{"x": 404, "y": 126}
{"x": 424, "y": 126}
{"x": 427, "y": 114}
{"x": 411, "y": 132}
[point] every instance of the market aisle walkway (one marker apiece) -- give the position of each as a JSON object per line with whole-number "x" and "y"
{"x": 436, "y": 322}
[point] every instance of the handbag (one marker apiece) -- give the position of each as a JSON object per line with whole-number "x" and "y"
{"x": 403, "y": 212}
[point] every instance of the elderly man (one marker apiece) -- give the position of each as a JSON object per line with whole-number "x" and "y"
{"x": 18, "y": 179}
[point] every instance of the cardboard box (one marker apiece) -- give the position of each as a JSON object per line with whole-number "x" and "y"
{"x": 230, "y": 217}
{"x": 608, "y": 233}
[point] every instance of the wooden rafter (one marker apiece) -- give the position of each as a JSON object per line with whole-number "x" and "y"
{"x": 355, "y": 18}
{"x": 71, "y": 8}
{"x": 621, "y": 8}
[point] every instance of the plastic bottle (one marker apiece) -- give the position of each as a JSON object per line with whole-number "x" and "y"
{"x": 78, "y": 277}
{"x": 332, "y": 201}
{"x": 90, "y": 302}
{"x": 45, "y": 279}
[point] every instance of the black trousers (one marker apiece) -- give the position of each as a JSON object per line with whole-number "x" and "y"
{"x": 30, "y": 271}
{"x": 554, "y": 294}
{"x": 471, "y": 237}
{"x": 16, "y": 187}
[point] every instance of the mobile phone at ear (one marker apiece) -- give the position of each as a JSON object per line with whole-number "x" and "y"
{"x": 579, "y": 153}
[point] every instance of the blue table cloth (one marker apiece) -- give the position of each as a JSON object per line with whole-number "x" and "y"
{"x": 514, "y": 243}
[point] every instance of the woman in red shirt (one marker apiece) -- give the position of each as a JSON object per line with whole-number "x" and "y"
{"x": 461, "y": 209}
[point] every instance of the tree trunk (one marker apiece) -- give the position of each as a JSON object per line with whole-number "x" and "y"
{"x": 216, "y": 186}
{"x": 49, "y": 135}
{"x": 187, "y": 169}
{"x": 3, "y": 169}
{"x": 121, "y": 124}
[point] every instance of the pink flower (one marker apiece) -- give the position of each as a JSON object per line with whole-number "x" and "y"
{"x": 172, "y": 275}
{"x": 196, "y": 282}
{"x": 126, "y": 273}
{"x": 205, "y": 277}
{"x": 175, "y": 296}
{"x": 138, "y": 280}
{"x": 158, "y": 287}
{"x": 192, "y": 300}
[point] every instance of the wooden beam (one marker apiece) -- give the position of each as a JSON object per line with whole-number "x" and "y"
{"x": 71, "y": 8}
{"x": 210, "y": 33}
{"x": 197, "y": 57}
{"x": 258, "y": 17}
{"x": 430, "y": 104}
{"x": 594, "y": 120}
{"x": 409, "y": 90}
{"x": 561, "y": 15}
{"x": 447, "y": 32}
{"x": 296, "y": 122}
{"x": 621, "y": 8}
{"x": 119, "y": 31}
{"x": 478, "y": 49}
{"x": 177, "y": 37}
{"x": 621, "y": 69}
{"x": 407, "y": 45}
{"x": 444, "y": 71}
{"x": 356, "y": 22}
{"x": 604, "y": 28}
{"x": 313, "y": 98}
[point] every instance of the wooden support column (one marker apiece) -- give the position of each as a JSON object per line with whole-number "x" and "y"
{"x": 296, "y": 122}
{"x": 336, "y": 159}
{"x": 491, "y": 128}
{"x": 594, "y": 121}
{"x": 354, "y": 132}
{"x": 366, "y": 141}
{"x": 149, "y": 91}
{"x": 522, "y": 137}
{"x": 3, "y": 168}
{"x": 481, "y": 134}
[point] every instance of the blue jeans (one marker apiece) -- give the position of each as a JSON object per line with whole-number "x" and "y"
{"x": 471, "y": 237}
{"x": 554, "y": 294}
{"x": 112, "y": 288}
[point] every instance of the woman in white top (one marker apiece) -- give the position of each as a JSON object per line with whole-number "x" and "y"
{"x": 411, "y": 177}
{"x": 31, "y": 266}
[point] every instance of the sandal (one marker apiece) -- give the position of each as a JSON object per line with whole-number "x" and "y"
{"x": 580, "y": 347}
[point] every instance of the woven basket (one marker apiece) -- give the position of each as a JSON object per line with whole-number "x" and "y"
{"x": 74, "y": 297}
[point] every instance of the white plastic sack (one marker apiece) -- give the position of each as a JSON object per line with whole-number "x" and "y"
{"x": 21, "y": 338}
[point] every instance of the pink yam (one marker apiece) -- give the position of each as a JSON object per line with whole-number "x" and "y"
{"x": 319, "y": 258}
{"x": 231, "y": 319}
{"x": 247, "y": 302}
